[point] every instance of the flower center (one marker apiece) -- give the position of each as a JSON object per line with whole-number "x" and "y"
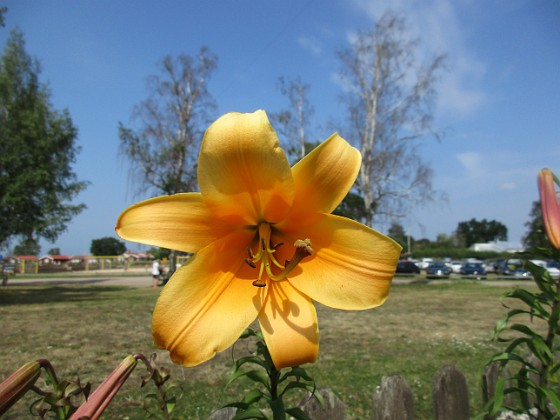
{"x": 266, "y": 260}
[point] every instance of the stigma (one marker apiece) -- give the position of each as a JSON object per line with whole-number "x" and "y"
{"x": 267, "y": 262}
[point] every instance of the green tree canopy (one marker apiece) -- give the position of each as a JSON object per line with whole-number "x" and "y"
{"x": 37, "y": 150}
{"x": 536, "y": 234}
{"x": 54, "y": 251}
{"x": 396, "y": 231}
{"x": 27, "y": 247}
{"x": 475, "y": 231}
{"x": 107, "y": 246}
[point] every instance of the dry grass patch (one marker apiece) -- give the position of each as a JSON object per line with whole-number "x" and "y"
{"x": 87, "y": 331}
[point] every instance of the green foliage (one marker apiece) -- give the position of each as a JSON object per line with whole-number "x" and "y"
{"x": 61, "y": 399}
{"x": 27, "y": 247}
{"x": 3, "y": 10}
{"x": 532, "y": 355}
{"x": 54, "y": 251}
{"x": 37, "y": 150}
{"x": 159, "y": 253}
{"x": 396, "y": 231}
{"x": 107, "y": 246}
{"x": 272, "y": 385}
{"x": 163, "y": 402}
{"x": 352, "y": 207}
{"x": 474, "y": 231}
{"x": 535, "y": 236}
{"x": 456, "y": 253}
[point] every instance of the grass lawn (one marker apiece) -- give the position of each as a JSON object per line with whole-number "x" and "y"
{"x": 86, "y": 331}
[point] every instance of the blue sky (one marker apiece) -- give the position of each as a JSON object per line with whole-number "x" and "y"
{"x": 499, "y": 104}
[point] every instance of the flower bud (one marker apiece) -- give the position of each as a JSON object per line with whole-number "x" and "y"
{"x": 102, "y": 396}
{"x": 550, "y": 205}
{"x": 17, "y": 384}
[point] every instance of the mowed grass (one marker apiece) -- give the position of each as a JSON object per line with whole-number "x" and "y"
{"x": 86, "y": 331}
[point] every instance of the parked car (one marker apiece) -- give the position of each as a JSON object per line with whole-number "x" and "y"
{"x": 490, "y": 266}
{"x": 407, "y": 267}
{"x": 552, "y": 267}
{"x": 508, "y": 267}
{"x": 438, "y": 270}
{"x": 473, "y": 269}
{"x": 522, "y": 273}
{"x": 424, "y": 263}
{"x": 456, "y": 266}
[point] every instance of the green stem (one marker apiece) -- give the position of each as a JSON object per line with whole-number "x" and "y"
{"x": 550, "y": 338}
{"x": 276, "y": 403}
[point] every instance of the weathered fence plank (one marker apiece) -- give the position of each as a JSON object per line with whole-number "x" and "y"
{"x": 450, "y": 394}
{"x": 333, "y": 408}
{"x": 392, "y": 400}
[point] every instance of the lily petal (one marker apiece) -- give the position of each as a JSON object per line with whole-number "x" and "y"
{"x": 208, "y": 302}
{"x": 324, "y": 177}
{"x": 550, "y": 205}
{"x": 289, "y": 325}
{"x": 352, "y": 266}
{"x": 244, "y": 175}
{"x": 180, "y": 221}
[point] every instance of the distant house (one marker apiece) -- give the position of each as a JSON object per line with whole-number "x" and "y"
{"x": 496, "y": 246}
{"x": 137, "y": 256}
{"x": 54, "y": 259}
{"x": 21, "y": 258}
{"x": 24, "y": 263}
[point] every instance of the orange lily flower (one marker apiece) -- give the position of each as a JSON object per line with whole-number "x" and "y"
{"x": 254, "y": 213}
{"x": 550, "y": 205}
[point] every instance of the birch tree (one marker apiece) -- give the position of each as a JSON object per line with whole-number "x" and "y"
{"x": 163, "y": 147}
{"x": 390, "y": 98}
{"x": 293, "y": 123}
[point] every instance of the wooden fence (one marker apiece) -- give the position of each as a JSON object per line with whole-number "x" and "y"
{"x": 392, "y": 399}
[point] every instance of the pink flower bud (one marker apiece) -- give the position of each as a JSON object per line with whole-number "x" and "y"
{"x": 102, "y": 396}
{"x": 550, "y": 206}
{"x": 17, "y": 384}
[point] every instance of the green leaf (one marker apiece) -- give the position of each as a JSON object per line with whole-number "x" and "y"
{"x": 552, "y": 398}
{"x": 299, "y": 385}
{"x": 258, "y": 376}
{"x": 252, "y": 397}
{"x": 297, "y": 413}
{"x": 250, "y": 413}
{"x": 498, "y": 399}
{"x": 254, "y": 375}
{"x": 524, "y": 329}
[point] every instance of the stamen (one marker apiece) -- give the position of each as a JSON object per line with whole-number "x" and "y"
{"x": 268, "y": 262}
{"x": 249, "y": 263}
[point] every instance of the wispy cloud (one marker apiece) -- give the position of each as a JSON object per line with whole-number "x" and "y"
{"x": 310, "y": 45}
{"x": 436, "y": 22}
{"x": 473, "y": 165}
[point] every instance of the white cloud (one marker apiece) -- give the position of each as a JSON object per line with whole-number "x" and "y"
{"x": 310, "y": 45}
{"x": 508, "y": 186}
{"x": 437, "y": 24}
{"x": 472, "y": 163}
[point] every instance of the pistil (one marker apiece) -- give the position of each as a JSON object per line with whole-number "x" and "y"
{"x": 265, "y": 256}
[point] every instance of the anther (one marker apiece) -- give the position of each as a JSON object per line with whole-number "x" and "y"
{"x": 250, "y": 252}
{"x": 278, "y": 245}
{"x": 259, "y": 283}
{"x": 249, "y": 263}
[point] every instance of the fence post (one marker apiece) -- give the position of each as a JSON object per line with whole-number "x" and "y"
{"x": 226, "y": 413}
{"x": 450, "y": 394}
{"x": 392, "y": 400}
{"x": 333, "y": 408}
